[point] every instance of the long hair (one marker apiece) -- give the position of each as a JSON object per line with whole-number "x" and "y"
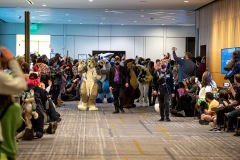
{"x": 6, "y": 100}
{"x": 206, "y": 78}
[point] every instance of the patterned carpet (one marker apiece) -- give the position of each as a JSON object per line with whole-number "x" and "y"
{"x": 135, "y": 135}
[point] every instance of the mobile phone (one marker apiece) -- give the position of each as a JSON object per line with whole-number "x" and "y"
{"x": 226, "y": 84}
{"x": 196, "y": 80}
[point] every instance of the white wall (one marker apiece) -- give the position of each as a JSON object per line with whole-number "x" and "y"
{"x": 146, "y": 41}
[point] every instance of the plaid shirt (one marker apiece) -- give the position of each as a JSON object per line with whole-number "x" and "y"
{"x": 43, "y": 68}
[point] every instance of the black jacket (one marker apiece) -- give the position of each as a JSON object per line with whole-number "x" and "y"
{"x": 167, "y": 78}
{"x": 123, "y": 77}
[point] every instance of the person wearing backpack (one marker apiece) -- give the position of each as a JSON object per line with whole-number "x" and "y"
{"x": 10, "y": 112}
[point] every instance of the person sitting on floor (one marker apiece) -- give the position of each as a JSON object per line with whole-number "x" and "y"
{"x": 220, "y": 110}
{"x": 208, "y": 115}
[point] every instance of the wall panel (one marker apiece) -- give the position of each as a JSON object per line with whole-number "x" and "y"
{"x": 139, "y": 48}
{"x": 219, "y": 26}
{"x": 57, "y": 44}
{"x": 180, "y": 43}
{"x": 123, "y": 44}
{"x": 85, "y": 45}
{"x": 154, "y": 48}
{"x": 70, "y": 46}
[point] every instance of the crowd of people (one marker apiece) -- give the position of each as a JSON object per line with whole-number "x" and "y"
{"x": 182, "y": 86}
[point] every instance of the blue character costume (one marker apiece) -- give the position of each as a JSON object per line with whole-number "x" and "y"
{"x": 103, "y": 83}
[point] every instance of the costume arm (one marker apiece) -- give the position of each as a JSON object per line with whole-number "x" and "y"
{"x": 15, "y": 84}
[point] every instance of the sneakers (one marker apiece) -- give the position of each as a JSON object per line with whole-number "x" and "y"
{"x": 218, "y": 108}
{"x": 28, "y": 135}
{"x": 215, "y": 130}
{"x": 181, "y": 113}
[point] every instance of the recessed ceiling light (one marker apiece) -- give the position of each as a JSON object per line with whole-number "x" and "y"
{"x": 186, "y": 1}
{"x": 173, "y": 19}
{"x": 135, "y": 21}
{"x": 80, "y": 23}
{"x": 44, "y": 5}
{"x": 162, "y": 24}
{"x": 66, "y": 14}
{"x": 30, "y": 1}
{"x": 69, "y": 20}
{"x": 101, "y": 23}
{"x": 90, "y": 0}
{"x": 122, "y": 24}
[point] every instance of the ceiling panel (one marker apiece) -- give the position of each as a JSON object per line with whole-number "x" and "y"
{"x": 103, "y": 12}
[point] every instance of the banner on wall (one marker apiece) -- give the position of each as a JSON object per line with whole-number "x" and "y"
{"x": 108, "y": 54}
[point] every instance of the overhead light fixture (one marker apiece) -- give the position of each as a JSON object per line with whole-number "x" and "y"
{"x": 101, "y": 23}
{"x": 66, "y": 14}
{"x": 44, "y": 5}
{"x": 186, "y": 1}
{"x": 69, "y": 20}
{"x": 30, "y": 1}
{"x": 80, "y": 23}
{"x": 33, "y": 17}
{"x": 142, "y": 15}
{"x": 173, "y": 19}
{"x": 135, "y": 21}
{"x": 90, "y": 0}
{"x": 122, "y": 24}
{"x": 162, "y": 24}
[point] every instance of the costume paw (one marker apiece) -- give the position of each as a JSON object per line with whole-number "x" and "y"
{"x": 110, "y": 99}
{"x": 93, "y": 108}
{"x": 82, "y": 106}
{"x": 35, "y": 115}
{"x": 99, "y": 100}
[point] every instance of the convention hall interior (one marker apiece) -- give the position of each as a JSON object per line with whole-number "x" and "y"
{"x": 138, "y": 28}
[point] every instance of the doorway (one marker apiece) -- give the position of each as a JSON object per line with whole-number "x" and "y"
{"x": 38, "y": 43}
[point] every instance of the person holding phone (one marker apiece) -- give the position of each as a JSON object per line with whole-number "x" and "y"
{"x": 187, "y": 68}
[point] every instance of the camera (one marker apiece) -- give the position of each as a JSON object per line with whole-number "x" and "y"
{"x": 226, "y": 84}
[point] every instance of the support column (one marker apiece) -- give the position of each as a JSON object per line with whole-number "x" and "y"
{"x": 27, "y": 36}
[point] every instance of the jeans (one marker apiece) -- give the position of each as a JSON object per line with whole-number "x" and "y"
{"x": 232, "y": 116}
{"x": 144, "y": 87}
